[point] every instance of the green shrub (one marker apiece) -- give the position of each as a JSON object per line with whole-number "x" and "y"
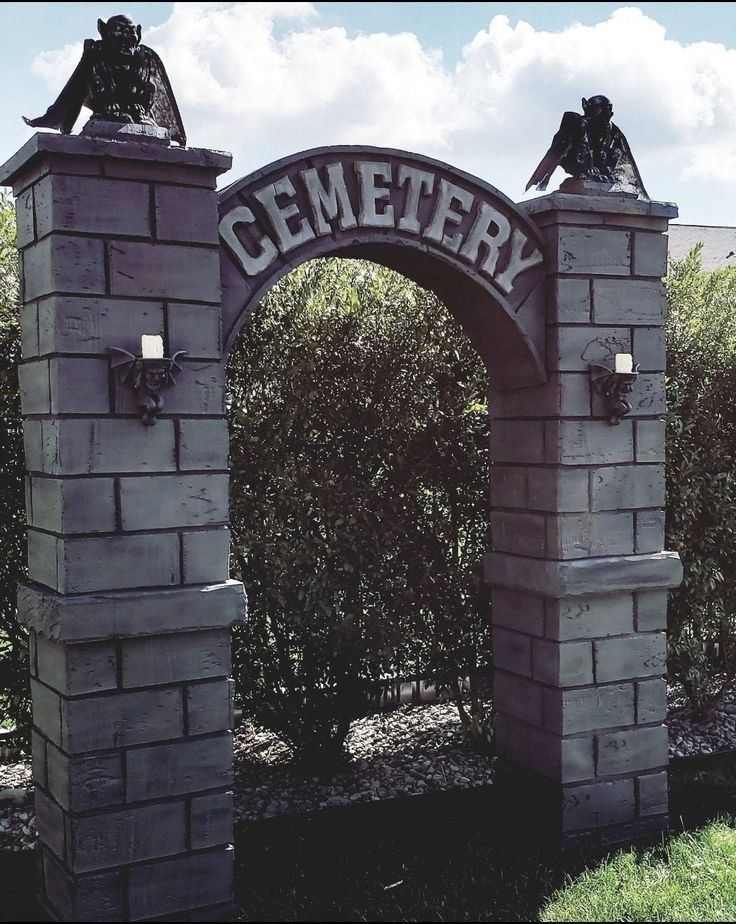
{"x": 14, "y": 698}
{"x": 359, "y": 470}
{"x": 701, "y": 474}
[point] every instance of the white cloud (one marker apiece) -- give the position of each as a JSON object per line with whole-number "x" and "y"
{"x": 267, "y": 79}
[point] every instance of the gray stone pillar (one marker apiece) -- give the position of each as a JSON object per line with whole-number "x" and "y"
{"x": 578, "y": 572}
{"x": 128, "y": 601}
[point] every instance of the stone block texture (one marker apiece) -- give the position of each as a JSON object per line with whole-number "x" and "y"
{"x": 579, "y": 686}
{"x": 128, "y": 537}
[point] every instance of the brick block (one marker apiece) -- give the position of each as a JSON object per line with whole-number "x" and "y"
{"x": 209, "y": 707}
{"x": 588, "y": 442}
{"x": 562, "y": 664}
{"x": 650, "y": 435}
{"x": 97, "y": 897}
{"x": 162, "y": 173}
{"x": 593, "y": 252}
{"x": 82, "y": 783}
{"x": 598, "y": 804}
{"x": 509, "y": 486}
{"x": 92, "y": 325}
{"x": 625, "y": 834}
{"x": 91, "y": 205}
{"x": 64, "y": 264}
{"x": 212, "y": 820}
{"x": 564, "y": 393}
{"x": 50, "y": 824}
{"x": 628, "y": 301}
{"x": 33, "y": 445}
{"x": 589, "y": 617}
{"x": 117, "y": 562}
{"x": 205, "y": 556}
{"x": 520, "y": 533}
{"x": 178, "y": 768}
{"x": 46, "y": 711}
{"x": 630, "y": 656}
{"x": 518, "y": 697}
{"x": 563, "y": 490}
{"x": 571, "y": 301}
{"x": 583, "y": 535}
{"x": 80, "y": 386}
{"x": 570, "y": 712}
{"x": 653, "y": 793}
{"x": 651, "y": 610}
{"x": 517, "y": 610}
{"x": 96, "y": 723}
{"x": 42, "y": 558}
{"x": 650, "y": 254}
{"x": 25, "y": 232}
{"x": 40, "y": 760}
{"x": 632, "y": 750}
{"x": 648, "y": 397}
{"x": 35, "y": 389}
{"x": 517, "y": 441}
{"x": 172, "y": 658}
{"x": 164, "y": 271}
{"x": 512, "y": 651}
{"x": 564, "y": 760}
{"x": 573, "y": 349}
{"x": 621, "y": 487}
{"x": 140, "y": 833}
{"x": 651, "y": 701}
{"x": 186, "y": 214}
{"x": 107, "y": 446}
{"x": 29, "y": 330}
{"x": 75, "y": 669}
{"x": 203, "y": 444}
{"x": 649, "y": 531}
{"x": 648, "y": 348}
{"x": 73, "y": 505}
{"x": 166, "y": 501}
{"x": 171, "y": 886}
{"x": 196, "y": 326}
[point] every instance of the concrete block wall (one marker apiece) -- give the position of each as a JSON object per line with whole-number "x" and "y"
{"x": 129, "y": 603}
{"x": 578, "y": 571}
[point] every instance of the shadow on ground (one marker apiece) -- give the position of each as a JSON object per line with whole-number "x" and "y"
{"x": 457, "y": 856}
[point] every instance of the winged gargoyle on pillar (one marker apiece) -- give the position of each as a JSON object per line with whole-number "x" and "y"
{"x": 120, "y": 80}
{"x": 593, "y": 151}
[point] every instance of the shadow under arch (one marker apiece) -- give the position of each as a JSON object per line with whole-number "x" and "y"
{"x": 444, "y": 229}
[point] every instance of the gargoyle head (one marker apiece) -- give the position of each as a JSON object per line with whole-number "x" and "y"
{"x": 120, "y": 35}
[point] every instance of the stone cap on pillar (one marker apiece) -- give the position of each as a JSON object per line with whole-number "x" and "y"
{"x": 22, "y": 167}
{"x": 597, "y": 208}
{"x": 86, "y": 617}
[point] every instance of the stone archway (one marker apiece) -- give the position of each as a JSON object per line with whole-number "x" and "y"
{"x": 128, "y": 602}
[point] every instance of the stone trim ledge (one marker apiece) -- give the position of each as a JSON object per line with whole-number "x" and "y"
{"x": 83, "y": 618}
{"x": 584, "y": 575}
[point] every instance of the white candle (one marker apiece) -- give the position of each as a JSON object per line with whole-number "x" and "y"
{"x": 624, "y": 363}
{"x": 152, "y": 346}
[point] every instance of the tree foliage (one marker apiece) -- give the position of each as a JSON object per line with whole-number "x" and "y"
{"x": 359, "y": 470}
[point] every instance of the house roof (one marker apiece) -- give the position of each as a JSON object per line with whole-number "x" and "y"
{"x": 719, "y": 244}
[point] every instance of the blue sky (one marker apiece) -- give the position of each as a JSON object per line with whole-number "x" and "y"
{"x": 481, "y": 85}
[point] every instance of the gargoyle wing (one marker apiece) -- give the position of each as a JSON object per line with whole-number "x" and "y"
{"x": 164, "y": 110}
{"x": 175, "y": 364}
{"x": 569, "y": 130}
{"x": 123, "y": 361}
{"x": 626, "y": 170}
{"x": 63, "y": 112}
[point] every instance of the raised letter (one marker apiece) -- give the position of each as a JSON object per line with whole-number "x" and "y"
{"x": 481, "y": 233}
{"x": 251, "y": 265}
{"x": 444, "y": 212}
{"x": 418, "y": 181}
{"x": 331, "y": 201}
{"x": 517, "y": 263}
{"x": 367, "y": 171}
{"x": 267, "y": 197}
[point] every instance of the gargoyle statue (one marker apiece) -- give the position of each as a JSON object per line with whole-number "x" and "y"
{"x": 590, "y": 147}
{"x": 120, "y": 80}
{"x": 146, "y": 378}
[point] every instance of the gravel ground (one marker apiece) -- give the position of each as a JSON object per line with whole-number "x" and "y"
{"x": 408, "y": 751}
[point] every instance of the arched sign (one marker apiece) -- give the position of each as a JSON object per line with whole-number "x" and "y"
{"x": 443, "y": 228}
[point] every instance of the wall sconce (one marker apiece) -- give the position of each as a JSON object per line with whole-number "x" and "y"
{"x": 147, "y": 375}
{"x": 613, "y": 384}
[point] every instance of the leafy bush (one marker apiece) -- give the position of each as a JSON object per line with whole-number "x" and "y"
{"x": 701, "y": 475}
{"x": 359, "y": 470}
{"x": 14, "y": 698}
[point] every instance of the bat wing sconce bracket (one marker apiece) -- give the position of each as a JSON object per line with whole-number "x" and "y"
{"x": 613, "y": 388}
{"x": 146, "y": 378}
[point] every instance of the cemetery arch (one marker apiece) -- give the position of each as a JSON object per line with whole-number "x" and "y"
{"x": 128, "y": 601}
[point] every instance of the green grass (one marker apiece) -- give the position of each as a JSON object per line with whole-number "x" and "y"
{"x": 691, "y": 878}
